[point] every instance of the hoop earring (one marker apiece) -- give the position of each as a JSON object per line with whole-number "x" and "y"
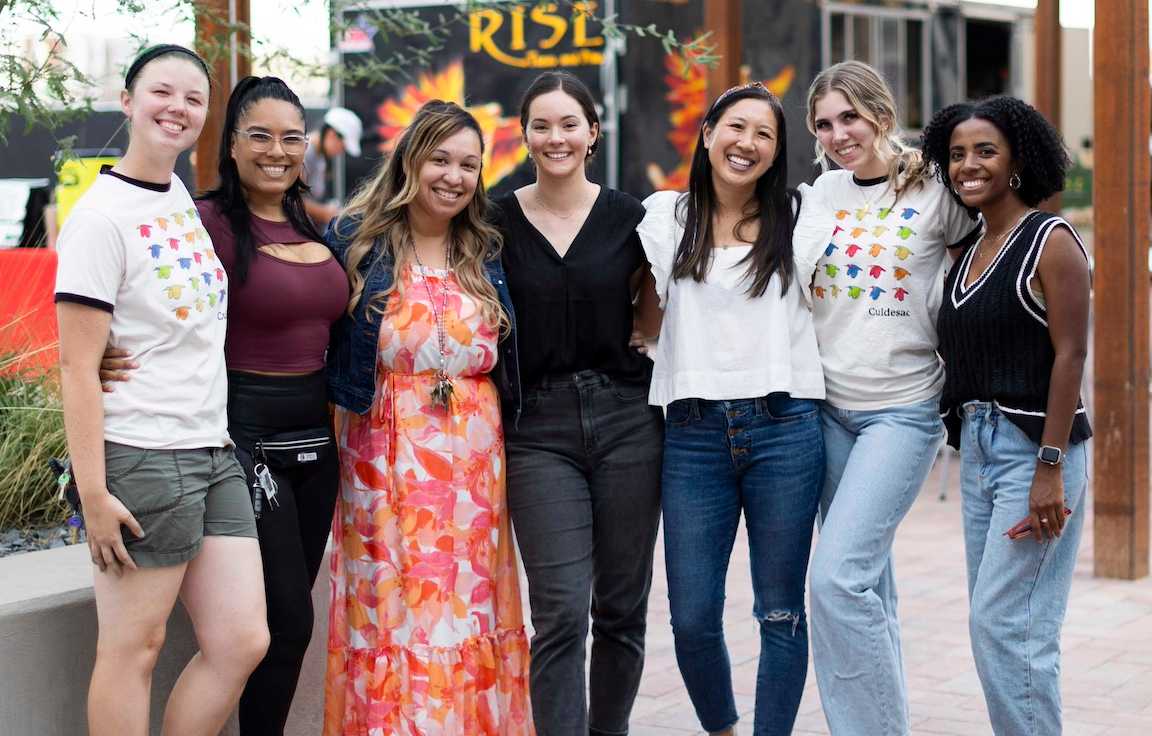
{"x": 1014, "y": 180}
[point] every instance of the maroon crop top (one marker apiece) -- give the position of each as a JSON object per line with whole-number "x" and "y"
{"x": 279, "y": 319}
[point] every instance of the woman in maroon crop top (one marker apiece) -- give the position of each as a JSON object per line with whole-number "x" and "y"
{"x": 286, "y": 291}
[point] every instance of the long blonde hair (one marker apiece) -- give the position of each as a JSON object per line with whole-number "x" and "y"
{"x": 380, "y": 207}
{"x": 867, "y": 92}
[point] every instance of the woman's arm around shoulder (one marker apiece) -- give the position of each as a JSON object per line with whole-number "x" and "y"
{"x": 339, "y": 234}
{"x": 814, "y": 230}
{"x": 660, "y": 235}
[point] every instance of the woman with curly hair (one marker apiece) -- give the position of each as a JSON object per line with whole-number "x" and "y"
{"x": 873, "y": 239}
{"x": 425, "y": 630}
{"x": 1014, "y": 336}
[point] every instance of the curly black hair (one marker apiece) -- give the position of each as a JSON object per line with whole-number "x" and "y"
{"x": 1037, "y": 148}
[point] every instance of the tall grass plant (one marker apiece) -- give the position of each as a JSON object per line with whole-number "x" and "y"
{"x": 31, "y": 433}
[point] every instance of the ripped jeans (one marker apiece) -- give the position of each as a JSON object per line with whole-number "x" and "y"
{"x": 763, "y": 457}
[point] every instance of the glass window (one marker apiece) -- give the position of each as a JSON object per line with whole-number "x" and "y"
{"x": 892, "y": 44}
{"x": 912, "y": 104}
{"x": 837, "y": 38}
{"x": 861, "y": 38}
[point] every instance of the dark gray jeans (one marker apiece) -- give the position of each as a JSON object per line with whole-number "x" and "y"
{"x": 584, "y": 496}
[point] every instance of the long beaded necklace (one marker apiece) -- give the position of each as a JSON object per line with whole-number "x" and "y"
{"x": 442, "y": 391}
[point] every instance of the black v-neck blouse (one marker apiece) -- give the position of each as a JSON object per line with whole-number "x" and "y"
{"x": 574, "y": 313}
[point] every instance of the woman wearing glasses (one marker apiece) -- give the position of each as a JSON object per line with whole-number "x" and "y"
{"x": 286, "y": 291}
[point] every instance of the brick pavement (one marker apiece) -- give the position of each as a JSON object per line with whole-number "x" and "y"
{"x": 1107, "y": 641}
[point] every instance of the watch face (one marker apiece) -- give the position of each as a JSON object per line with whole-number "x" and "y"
{"x": 1050, "y": 455}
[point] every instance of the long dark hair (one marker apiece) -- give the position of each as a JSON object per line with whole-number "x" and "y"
{"x": 772, "y": 252}
{"x": 229, "y": 193}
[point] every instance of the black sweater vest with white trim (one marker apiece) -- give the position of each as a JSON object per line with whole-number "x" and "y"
{"x": 994, "y": 335}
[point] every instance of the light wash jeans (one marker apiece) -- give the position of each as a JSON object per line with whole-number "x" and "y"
{"x": 761, "y": 457}
{"x": 876, "y": 463}
{"x": 1017, "y": 590}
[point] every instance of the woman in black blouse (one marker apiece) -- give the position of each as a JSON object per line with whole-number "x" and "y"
{"x": 584, "y": 447}
{"x": 1014, "y": 334}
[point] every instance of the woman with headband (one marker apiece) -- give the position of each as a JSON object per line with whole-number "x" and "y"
{"x": 286, "y": 292}
{"x": 164, "y": 499}
{"x": 737, "y": 371}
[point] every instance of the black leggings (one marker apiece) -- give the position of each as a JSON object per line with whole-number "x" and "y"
{"x": 292, "y": 535}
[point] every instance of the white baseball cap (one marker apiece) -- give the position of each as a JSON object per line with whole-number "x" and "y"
{"x": 344, "y": 121}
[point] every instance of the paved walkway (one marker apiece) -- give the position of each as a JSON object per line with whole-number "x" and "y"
{"x": 1107, "y": 641}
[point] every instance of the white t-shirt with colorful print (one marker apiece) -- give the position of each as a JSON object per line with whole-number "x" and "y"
{"x": 878, "y": 265}
{"x": 138, "y": 250}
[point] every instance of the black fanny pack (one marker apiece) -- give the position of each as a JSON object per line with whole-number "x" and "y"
{"x": 280, "y": 452}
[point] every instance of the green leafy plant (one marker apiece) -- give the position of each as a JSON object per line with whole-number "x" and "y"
{"x": 31, "y": 433}
{"x": 47, "y": 94}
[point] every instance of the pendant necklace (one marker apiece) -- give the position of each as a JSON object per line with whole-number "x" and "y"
{"x": 442, "y": 391}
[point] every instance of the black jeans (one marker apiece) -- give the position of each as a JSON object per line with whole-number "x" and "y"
{"x": 292, "y": 535}
{"x": 584, "y": 495}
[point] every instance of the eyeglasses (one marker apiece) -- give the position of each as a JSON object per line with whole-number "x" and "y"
{"x": 261, "y": 142}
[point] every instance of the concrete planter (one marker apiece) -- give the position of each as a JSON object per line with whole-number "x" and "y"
{"x": 48, "y": 645}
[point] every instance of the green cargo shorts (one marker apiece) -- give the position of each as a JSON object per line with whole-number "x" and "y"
{"x": 178, "y": 497}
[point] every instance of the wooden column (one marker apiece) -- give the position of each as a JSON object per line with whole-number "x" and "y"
{"x": 1049, "y": 73}
{"x": 723, "y": 18}
{"x": 229, "y": 58}
{"x": 1121, "y": 225}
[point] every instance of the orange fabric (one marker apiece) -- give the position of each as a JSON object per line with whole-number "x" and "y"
{"x": 426, "y": 636}
{"x": 27, "y": 314}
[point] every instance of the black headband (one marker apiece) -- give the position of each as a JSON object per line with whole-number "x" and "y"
{"x": 157, "y": 51}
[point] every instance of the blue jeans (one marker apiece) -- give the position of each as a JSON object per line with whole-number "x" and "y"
{"x": 877, "y": 462}
{"x": 764, "y": 457}
{"x": 1017, "y": 590}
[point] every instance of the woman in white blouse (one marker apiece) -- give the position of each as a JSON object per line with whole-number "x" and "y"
{"x": 737, "y": 371}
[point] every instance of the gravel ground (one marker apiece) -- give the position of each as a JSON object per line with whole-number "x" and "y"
{"x": 15, "y": 541}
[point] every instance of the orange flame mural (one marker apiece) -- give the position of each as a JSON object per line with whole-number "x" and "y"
{"x": 688, "y": 99}
{"x": 503, "y": 150}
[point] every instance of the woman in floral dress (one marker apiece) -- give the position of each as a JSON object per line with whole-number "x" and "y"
{"x": 425, "y": 633}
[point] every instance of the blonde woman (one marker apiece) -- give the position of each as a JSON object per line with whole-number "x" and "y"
{"x": 425, "y": 630}
{"x": 875, "y": 236}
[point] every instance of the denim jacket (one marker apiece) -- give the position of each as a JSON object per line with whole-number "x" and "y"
{"x": 353, "y": 348}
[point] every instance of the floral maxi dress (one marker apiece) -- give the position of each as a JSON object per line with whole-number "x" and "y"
{"x": 426, "y": 632}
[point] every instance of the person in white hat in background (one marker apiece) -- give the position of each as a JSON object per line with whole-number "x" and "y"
{"x": 340, "y": 133}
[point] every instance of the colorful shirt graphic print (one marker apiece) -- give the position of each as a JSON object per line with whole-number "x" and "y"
{"x": 877, "y": 265}
{"x": 139, "y": 251}
{"x": 426, "y": 635}
{"x": 869, "y": 256}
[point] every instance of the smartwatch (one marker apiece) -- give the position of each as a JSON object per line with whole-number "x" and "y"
{"x": 1050, "y": 455}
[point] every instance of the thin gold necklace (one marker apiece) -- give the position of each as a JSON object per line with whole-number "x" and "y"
{"x": 998, "y": 236}
{"x": 554, "y": 213}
